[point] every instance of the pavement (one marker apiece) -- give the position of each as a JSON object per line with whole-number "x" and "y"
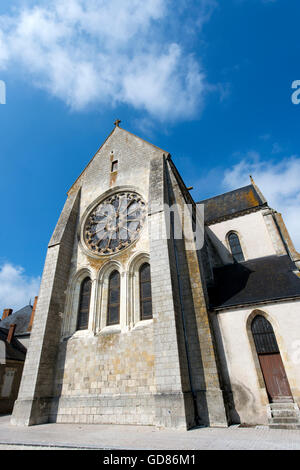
{"x": 116, "y": 437}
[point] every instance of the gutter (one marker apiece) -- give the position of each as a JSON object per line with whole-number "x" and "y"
{"x": 260, "y": 302}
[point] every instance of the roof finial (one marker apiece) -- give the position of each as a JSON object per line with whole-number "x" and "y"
{"x": 262, "y": 197}
{"x": 117, "y": 123}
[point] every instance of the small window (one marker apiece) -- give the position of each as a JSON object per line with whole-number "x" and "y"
{"x": 145, "y": 292}
{"x": 235, "y": 247}
{"x": 113, "y": 311}
{"x": 114, "y": 166}
{"x": 84, "y": 304}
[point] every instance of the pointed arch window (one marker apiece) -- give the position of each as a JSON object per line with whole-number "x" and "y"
{"x": 235, "y": 247}
{"x": 264, "y": 337}
{"x": 84, "y": 304}
{"x": 145, "y": 292}
{"x": 113, "y": 310}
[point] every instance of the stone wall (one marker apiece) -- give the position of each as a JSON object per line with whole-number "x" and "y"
{"x": 34, "y": 399}
{"x": 108, "y": 378}
{"x": 106, "y": 374}
{"x": 7, "y": 400}
{"x": 257, "y": 233}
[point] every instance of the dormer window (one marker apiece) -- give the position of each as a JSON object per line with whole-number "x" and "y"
{"x": 235, "y": 247}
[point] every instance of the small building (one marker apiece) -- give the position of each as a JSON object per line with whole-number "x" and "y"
{"x": 12, "y": 358}
{"x": 15, "y": 329}
{"x": 23, "y": 319}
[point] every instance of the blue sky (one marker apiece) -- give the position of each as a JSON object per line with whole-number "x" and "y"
{"x": 209, "y": 81}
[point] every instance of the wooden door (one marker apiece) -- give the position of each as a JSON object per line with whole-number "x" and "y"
{"x": 276, "y": 381}
{"x": 271, "y": 364}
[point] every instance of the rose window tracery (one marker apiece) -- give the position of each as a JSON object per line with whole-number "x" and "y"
{"x": 115, "y": 223}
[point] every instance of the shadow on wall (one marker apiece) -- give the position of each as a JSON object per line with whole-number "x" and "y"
{"x": 59, "y": 375}
{"x": 190, "y": 354}
{"x": 226, "y": 385}
{"x": 225, "y": 261}
{"x": 224, "y": 254}
{"x": 194, "y": 350}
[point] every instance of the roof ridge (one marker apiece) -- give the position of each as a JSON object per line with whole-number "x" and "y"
{"x": 228, "y": 192}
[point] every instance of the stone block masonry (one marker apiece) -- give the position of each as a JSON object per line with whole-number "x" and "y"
{"x": 36, "y": 390}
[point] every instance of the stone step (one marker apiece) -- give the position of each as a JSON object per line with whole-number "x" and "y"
{"x": 284, "y": 426}
{"x": 284, "y": 399}
{"x": 283, "y": 405}
{"x": 284, "y": 413}
{"x": 289, "y": 420}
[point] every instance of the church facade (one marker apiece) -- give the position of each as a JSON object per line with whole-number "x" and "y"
{"x": 137, "y": 325}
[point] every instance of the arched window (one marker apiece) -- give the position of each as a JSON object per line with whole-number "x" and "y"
{"x": 84, "y": 304}
{"x": 235, "y": 247}
{"x": 264, "y": 337}
{"x": 145, "y": 292}
{"x": 113, "y": 310}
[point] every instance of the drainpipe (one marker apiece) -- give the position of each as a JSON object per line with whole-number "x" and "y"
{"x": 197, "y": 417}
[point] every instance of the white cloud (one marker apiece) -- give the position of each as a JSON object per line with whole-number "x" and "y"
{"x": 278, "y": 181}
{"x": 276, "y": 148}
{"x": 117, "y": 52}
{"x": 16, "y": 288}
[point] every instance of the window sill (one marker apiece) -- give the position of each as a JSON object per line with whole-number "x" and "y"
{"x": 78, "y": 334}
{"x": 142, "y": 324}
{"x": 110, "y": 330}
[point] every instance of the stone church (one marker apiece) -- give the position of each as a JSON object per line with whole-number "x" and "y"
{"x": 137, "y": 325}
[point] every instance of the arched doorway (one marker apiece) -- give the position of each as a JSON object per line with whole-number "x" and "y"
{"x": 271, "y": 364}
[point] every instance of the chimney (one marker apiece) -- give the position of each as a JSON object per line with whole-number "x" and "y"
{"x": 6, "y": 313}
{"x": 11, "y": 333}
{"x": 32, "y": 314}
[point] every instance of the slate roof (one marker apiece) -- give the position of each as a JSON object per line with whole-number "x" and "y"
{"x": 254, "y": 281}
{"x": 21, "y": 318}
{"x": 232, "y": 203}
{"x": 14, "y": 350}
